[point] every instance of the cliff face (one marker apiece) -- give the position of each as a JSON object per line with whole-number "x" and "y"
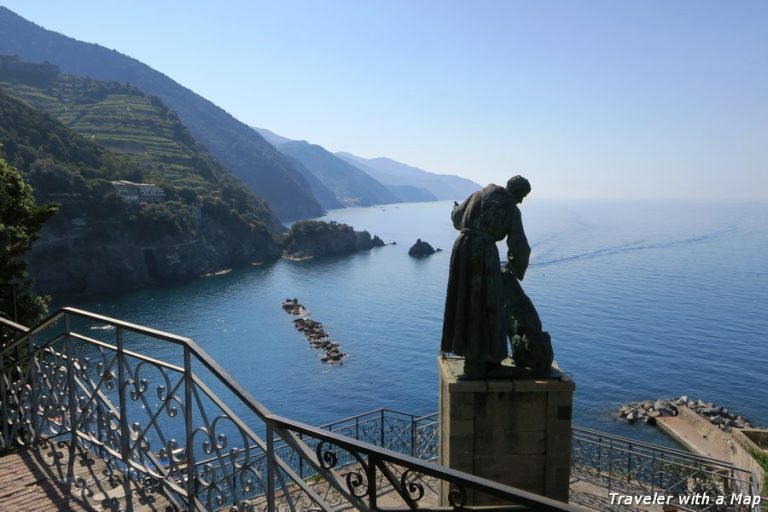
{"x": 110, "y": 258}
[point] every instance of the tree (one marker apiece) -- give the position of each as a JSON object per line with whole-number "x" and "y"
{"x": 20, "y": 222}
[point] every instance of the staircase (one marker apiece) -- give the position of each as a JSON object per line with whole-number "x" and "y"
{"x": 99, "y": 425}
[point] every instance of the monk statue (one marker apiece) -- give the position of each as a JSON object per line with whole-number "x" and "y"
{"x": 484, "y": 305}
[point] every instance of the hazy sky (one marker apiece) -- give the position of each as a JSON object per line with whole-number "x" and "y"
{"x": 587, "y": 99}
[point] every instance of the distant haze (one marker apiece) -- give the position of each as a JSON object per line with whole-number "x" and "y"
{"x": 586, "y": 99}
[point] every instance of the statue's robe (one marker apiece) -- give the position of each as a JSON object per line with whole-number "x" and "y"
{"x": 474, "y": 323}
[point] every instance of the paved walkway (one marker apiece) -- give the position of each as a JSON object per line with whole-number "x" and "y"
{"x": 50, "y": 478}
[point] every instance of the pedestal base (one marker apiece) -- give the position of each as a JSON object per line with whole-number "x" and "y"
{"x": 516, "y": 432}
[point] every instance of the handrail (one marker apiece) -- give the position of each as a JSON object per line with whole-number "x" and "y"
{"x": 583, "y": 431}
{"x": 54, "y": 360}
{"x": 651, "y": 446}
{"x": 429, "y": 468}
{"x": 13, "y": 325}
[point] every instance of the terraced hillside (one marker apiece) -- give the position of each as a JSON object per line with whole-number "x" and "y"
{"x": 203, "y": 220}
{"x": 121, "y": 119}
{"x": 263, "y": 169}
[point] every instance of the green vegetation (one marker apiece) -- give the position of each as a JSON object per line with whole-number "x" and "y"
{"x": 20, "y": 222}
{"x": 205, "y": 208}
{"x": 120, "y": 118}
{"x": 264, "y": 170}
{"x": 310, "y": 238}
{"x": 762, "y": 458}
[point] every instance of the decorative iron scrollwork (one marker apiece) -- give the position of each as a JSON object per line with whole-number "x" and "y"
{"x": 357, "y": 483}
{"x": 326, "y": 457}
{"x": 457, "y": 497}
{"x": 414, "y": 488}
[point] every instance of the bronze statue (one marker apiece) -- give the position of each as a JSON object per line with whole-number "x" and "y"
{"x": 481, "y": 306}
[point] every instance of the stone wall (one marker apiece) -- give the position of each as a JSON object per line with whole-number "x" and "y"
{"x": 745, "y": 446}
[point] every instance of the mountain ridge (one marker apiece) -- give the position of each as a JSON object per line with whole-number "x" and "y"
{"x": 350, "y": 185}
{"x": 235, "y": 145}
{"x": 390, "y": 172}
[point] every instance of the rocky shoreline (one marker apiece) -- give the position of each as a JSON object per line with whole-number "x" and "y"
{"x": 314, "y": 332}
{"x": 648, "y": 410}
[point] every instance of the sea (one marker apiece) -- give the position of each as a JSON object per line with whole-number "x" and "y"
{"x": 644, "y": 299}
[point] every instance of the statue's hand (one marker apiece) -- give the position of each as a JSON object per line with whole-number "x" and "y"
{"x": 510, "y": 270}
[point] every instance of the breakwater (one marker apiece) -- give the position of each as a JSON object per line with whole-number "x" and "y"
{"x": 648, "y": 411}
{"x": 314, "y": 332}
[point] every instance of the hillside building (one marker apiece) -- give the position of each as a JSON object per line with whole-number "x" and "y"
{"x": 139, "y": 192}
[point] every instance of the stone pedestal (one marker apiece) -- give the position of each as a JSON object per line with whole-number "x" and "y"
{"x": 516, "y": 432}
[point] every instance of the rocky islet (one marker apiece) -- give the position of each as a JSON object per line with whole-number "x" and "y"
{"x": 421, "y": 249}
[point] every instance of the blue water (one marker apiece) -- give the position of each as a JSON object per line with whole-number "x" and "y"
{"x": 643, "y": 298}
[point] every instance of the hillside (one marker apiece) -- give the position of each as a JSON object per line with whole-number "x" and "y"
{"x": 407, "y": 183}
{"x": 354, "y": 184}
{"x": 235, "y": 145}
{"x": 392, "y": 172}
{"x": 411, "y": 194}
{"x": 124, "y": 120}
{"x": 323, "y": 194}
{"x": 101, "y": 240}
{"x": 350, "y": 185}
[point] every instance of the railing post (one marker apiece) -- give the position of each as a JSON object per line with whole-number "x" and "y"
{"x": 413, "y": 436}
{"x": 382, "y": 428}
{"x": 189, "y": 449}
{"x": 371, "y": 477}
{"x": 33, "y": 393}
{"x": 270, "y": 469}
{"x": 629, "y": 462}
{"x": 610, "y": 463}
{"x": 125, "y": 435}
{"x": 4, "y": 404}
{"x": 70, "y": 383}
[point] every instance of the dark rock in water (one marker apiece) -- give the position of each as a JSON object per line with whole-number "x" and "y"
{"x": 293, "y": 307}
{"x": 365, "y": 242}
{"x": 421, "y": 248}
{"x": 314, "y": 332}
{"x": 648, "y": 411}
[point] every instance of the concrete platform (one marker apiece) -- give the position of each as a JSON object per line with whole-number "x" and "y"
{"x": 698, "y": 435}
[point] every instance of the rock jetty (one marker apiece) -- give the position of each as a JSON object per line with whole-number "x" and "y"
{"x": 648, "y": 410}
{"x": 314, "y": 332}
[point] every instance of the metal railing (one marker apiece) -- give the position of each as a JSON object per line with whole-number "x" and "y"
{"x": 635, "y": 468}
{"x": 609, "y": 462}
{"x": 178, "y": 423}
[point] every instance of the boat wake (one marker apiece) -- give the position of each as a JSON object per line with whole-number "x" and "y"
{"x": 639, "y": 245}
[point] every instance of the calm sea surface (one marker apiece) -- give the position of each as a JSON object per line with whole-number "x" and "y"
{"x": 643, "y": 298}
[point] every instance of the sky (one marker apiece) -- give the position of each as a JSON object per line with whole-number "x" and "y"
{"x": 586, "y": 99}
